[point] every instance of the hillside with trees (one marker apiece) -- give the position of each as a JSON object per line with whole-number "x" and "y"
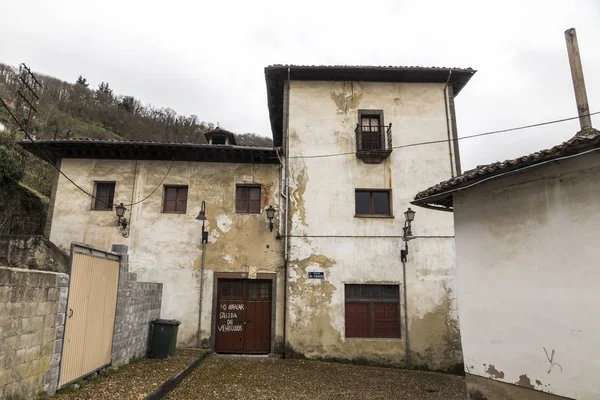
{"x": 76, "y": 110}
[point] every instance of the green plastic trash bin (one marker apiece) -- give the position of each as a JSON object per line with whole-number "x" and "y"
{"x": 164, "y": 337}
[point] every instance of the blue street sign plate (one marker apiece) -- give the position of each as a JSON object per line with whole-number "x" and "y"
{"x": 316, "y": 275}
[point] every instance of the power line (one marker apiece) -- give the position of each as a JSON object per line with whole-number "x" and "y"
{"x": 65, "y": 175}
{"x": 454, "y": 139}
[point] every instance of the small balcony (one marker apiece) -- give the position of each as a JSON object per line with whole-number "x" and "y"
{"x": 373, "y": 143}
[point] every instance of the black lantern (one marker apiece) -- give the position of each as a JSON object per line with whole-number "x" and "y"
{"x": 270, "y": 215}
{"x": 409, "y": 216}
{"x": 202, "y": 217}
{"x": 120, "y": 210}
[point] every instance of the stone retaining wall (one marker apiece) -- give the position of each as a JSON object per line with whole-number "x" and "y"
{"x": 32, "y": 310}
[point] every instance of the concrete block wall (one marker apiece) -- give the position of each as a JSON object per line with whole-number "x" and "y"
{"x": 32, "y": 322}
{"x": 138, "y": 303}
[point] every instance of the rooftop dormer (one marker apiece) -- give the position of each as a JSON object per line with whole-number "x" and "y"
{"x": 220, "y": 137}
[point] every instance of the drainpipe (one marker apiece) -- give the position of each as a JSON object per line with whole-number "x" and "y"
{"x": 448, "y": 123}
{"x": 408, "y": 360}
{"x": 199, "y": 338}
{"x": 287, "y": 210}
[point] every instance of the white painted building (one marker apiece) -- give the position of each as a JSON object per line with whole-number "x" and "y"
{"x": 528, "y": 272}
{"x": 163, "y": 186}
{"x": 327, "y": 281}
{"x": 350, "y": 181}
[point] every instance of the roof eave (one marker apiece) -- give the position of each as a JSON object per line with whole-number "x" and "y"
{"x": 276, "y": 75}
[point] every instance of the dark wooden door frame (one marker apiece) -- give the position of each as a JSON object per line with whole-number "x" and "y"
{"x": 242, "y": 275}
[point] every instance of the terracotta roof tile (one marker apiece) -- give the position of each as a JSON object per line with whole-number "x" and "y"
{"x": 441, "y": 194}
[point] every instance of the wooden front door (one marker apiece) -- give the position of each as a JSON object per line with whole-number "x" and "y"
{"x": 243, "y": 316}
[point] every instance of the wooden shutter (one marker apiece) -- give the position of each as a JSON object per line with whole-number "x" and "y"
{"x": 357, "y": 320}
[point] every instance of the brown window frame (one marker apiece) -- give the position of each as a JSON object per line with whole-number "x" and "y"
{"x": 109, "y": 202}
{"x": 239, "y": 203}
{"x": 372, "y": 202}
{"x": 178, "y": 208}
{"x": 370, "y": 114}
{"x": 374, "y": 306}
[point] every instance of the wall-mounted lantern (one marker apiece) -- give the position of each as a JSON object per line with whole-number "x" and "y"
{"x": 270, "y": 215}
{"x": 409, "y": 216}
{"x": 121, "y": 220}
{"x": 202, "y": 217}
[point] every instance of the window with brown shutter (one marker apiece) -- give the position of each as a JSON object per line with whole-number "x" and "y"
{"x": 247, "y": 199}
{"x": 104, "y": 195}
{"x": 372, "y": 311}
{"x": 175, "y": 200}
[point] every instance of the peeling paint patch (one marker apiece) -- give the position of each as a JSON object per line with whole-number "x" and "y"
{"x": 298, "y": 195}
{"x": 434, "y": 331}
{"x": 349, "y": 97}
{"x": 224, "y": 223}
{"x": 525, "y": 382}
{"x": 494, "y": 373}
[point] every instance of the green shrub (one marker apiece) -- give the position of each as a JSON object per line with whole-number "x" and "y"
{"x": 10, "y": 167}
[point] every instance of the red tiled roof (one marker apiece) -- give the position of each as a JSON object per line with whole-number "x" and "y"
{"x": 440, "y": 195}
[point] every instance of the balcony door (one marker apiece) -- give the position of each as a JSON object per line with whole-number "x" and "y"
{"x": 370, "y": 130}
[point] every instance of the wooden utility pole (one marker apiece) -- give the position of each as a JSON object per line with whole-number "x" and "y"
{"x": 583, "y": 108}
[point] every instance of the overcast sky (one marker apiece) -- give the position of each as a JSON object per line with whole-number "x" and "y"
{"x": 207, "y": 58}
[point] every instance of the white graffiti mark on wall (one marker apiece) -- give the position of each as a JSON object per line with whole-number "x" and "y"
{"x": 229, "y": 316}
{"x": 551, "y": 360}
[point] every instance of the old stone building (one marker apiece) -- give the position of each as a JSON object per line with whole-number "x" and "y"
{"x": 323, "y": 278}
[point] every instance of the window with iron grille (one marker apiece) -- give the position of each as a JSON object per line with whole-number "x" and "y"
{"x": 247, "y": 199}
{"x": 104, "y": 195}
{"x": 175, "y": 200}
{"x": 372, "y": 202}
{"x": 372, "y": 311}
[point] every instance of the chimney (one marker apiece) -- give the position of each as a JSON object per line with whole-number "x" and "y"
{"x": 583, "y": 108}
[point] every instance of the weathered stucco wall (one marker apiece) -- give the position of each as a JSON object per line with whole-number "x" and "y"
{"x": 322, "y": 119}
{"x": 166, "y": 248}
{"x": 528, "y": 278}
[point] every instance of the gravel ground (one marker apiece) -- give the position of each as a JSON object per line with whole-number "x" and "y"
{"x": 235, "y": 377}
{"x": 133, "y": 381}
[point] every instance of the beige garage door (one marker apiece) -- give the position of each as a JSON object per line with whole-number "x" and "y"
{"x": 90, "y": 316}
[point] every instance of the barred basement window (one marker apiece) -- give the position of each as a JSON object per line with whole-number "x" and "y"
{"x": 372, "y": 311}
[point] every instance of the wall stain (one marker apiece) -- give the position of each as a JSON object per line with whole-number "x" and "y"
{"x": 298, "y": 195}
{"x": 494, "y": 373}
{"x": 538, "y": 382}
{"x": 525, "y": 382}
{"x": 316, "y": 307}
{"x": 434, "y": 331}
{"x": 311, "y": 331}
{"x": 348, "y": 98}
{"x": 345, "y": 140}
